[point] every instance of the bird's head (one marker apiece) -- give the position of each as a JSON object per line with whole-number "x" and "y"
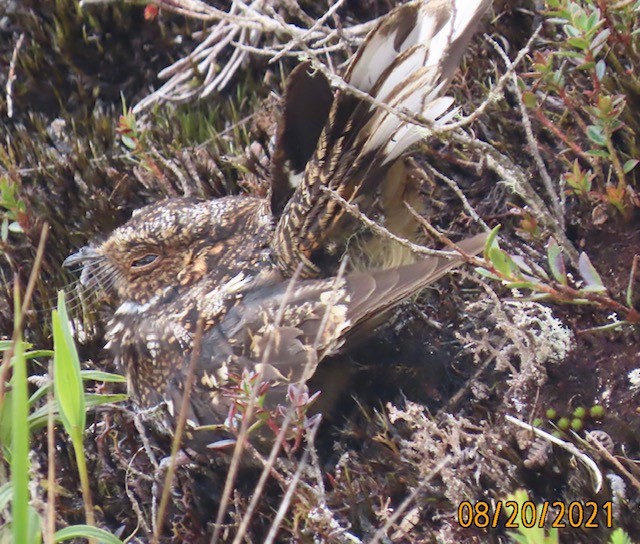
{"x": 174, "y": 242}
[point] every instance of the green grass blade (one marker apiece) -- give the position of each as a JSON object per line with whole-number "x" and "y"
{"x": 38, "y": 417}
{"x": 6, "y": 344}
{"x": 69, "y": 394}
{"x": 100, "y": 376}
{"x": 20, "y": 447}
{"x": 35, "y": 354}
{"x": 35, "y": 526}
{"x": 6, "y": 423}
{"x": 94, "y": 375}
{"x": 6, "y": 494}
{"x": 67, "y": 381}
{"x": 85, "y": 531}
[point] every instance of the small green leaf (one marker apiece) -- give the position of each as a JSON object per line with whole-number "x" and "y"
{"x": 590, "y": 274}
{"x": 520, "y": 285}
{"x": 487, "y": 274}
{"x": 630, "y": 165}
{"x": 499, "y": 261}
{"x": 596, "y": 135}
{"x": 587, "y": 65}
{"x": 592, "y": 21}
{"x": 35, "y": 354}
{"x": 578, "y": 43}
{"x": 571, "y": 31}
{"x": 556, "y": 262}
{"x": 593, "y": 289}
{"x": 599, "y": 41}
{"x": 598, "y": 153}
{"x": 129, "y": 143}
{"x": 503, "y": 262}
{"x": 491, "y": 242}
{"x": 620, "y": 537}
{"x": 15, "y": 227}
{"x": 530, "y": 100}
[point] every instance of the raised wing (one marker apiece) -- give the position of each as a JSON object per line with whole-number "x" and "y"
{"x": 406, "y": 62}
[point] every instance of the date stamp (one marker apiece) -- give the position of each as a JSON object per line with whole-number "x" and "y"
{"x": 512, "y": 515}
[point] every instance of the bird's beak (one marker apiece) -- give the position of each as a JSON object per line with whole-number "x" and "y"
{"x": 83, "y": 256}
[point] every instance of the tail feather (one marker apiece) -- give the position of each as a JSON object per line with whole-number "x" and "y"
{"x": 393, "y": 35}
{"x": 406, "y": 62}
{"x": 373, "y": 293}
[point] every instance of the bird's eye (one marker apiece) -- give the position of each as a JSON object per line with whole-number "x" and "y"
{"x": 144, "y": 261}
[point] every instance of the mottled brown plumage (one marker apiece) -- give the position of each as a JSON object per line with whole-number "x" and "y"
{"x": 227, "y": 262}
{"x": 407, "y": 62}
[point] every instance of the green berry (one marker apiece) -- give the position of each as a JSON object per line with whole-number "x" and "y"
{"x": 564, "y": 423}
{"x": 552, "y": 414}
{"x": 597, "y": 411}
{"x": 537, "y": 422}
{"x": 577, "y": 425}
{"x": 580, "y": 412}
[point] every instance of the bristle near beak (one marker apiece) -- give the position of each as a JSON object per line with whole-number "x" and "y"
{"x": 82, "y": 257}
{"x": 91, "y": 265}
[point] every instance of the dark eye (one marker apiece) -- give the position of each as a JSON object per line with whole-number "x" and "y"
{"x": 144, "y": 261}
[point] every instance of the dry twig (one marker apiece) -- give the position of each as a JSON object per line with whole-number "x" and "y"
{"x": 12, "y": 75}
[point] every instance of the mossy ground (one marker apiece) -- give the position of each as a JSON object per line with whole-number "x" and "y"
{"x": 63, "y": 152}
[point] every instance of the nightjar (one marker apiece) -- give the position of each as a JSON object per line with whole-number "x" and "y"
{"x": 228, "y": 263}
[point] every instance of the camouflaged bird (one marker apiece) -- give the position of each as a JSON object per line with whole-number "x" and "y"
{"x": 227, "y": 263}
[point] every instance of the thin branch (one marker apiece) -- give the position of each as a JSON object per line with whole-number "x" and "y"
{"x": 12, "y": 75}
{"x": 582, "y": 457}
{"x": 592, "y": 440}
{"x": 497, "y": 91}
{"x": 465, "y": 202}
{"x": 383, "y": 232}
{"x": 248, "y": 414}
{"x": 243, "y": 27}
{"x": 266, "y": 471}
{"x": 533, "y": 144}
{"x": 33, "y": 276}
{"x": 517, "y": 180}
{"x": 307, "y": 35}
{"x": 380, "y": 533}
{"x": 180, "y": 427}
{"x": 286, "y": 500}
